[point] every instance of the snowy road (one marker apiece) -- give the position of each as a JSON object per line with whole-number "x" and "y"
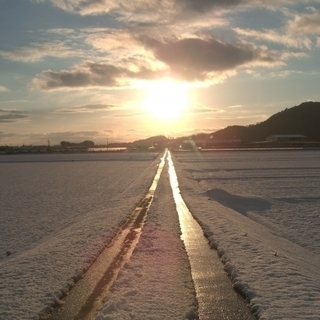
{"x": 86, "y": 297}
{"x": 259, "y": 209}
{"x": 216, "y": 298}
{"x": 213, "y": 298}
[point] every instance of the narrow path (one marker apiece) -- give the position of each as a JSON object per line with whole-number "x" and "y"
{"x": 86, "y": 297}
{"x": 216, "y": 297}
{"x": 165, "y": 266}
{"x": 156, "y": 283}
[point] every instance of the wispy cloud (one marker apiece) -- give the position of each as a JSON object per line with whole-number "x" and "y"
{"x": 38, "y": 51}
{"x": 4, "y": 135}
{"x": 14, "y": 101}
{"x": 235, "y": 106}
{"x": 141, "y": 9}
{"x": 201, "y": 109}
{"x": 8, "y": 115}
{"x": 306, "y": 24}
{"x": 295, "y": 33}
{"x": 3, "y": 89}
{"x": 253, "y": 118}
{"x": 286, "y": 39}
{"x": 85, "y": 108}
{"x": 128, "y": 115}
{"x": 284, "y": 73}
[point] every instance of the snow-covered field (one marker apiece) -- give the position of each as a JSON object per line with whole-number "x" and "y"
{"x": 260, "y": 209}
{"x": 57, "y": 212}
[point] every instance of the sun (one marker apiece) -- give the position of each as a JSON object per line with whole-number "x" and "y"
{"x": 166, "y": 99}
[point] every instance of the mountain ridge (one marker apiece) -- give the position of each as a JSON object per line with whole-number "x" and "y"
{"x": 303, "y": 119}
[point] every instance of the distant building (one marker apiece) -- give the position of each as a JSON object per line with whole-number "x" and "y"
{"x": 286, "y": 137}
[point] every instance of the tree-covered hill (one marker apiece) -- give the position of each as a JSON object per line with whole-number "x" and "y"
{"x": 303, "y": 120}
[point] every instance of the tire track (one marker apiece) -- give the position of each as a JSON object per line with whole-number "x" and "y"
{"x": 85, "y": 299}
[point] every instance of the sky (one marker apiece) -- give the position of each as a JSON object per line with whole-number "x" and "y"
{"x": 112, "y": 71}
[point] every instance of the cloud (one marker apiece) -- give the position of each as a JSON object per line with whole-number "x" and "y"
{"x": 89, "y": 75}
{"x": 195, "y": 58}
{"x": 142, "y": 9}
{"x": 289, "y": 40}
{"x": 284, "y": 73}
{"x": 93, "y": 75}
{"x": 38, "y": 51}
{"x": 235, "y": 106}
{"x": 6, "y": 135}
{"x": 14, "y": 101}
{"x": 307, "y": 24}
{"x": 201, "y": 109}
{"x": 239, "y": 116}
{"x": 128, "y": 115}
{"x": 189, "y": 59}
{"x": 109, "y": 39}
{"x": 86, "y": 108}
{"x": 3, "y": 89}
{"x": 7, "y": 115}
{"x": 87, "y": 7}
{"x": 296, "y": 33}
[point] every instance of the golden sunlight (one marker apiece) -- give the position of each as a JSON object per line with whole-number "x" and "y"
{"x": 166, "y": 99}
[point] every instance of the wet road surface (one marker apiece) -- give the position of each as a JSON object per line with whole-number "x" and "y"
{"x": 215, "y": 295}
{"x": 86, "y": 297}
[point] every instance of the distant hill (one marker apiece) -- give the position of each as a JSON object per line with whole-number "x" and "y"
{"x": 303, "y": 120}
{"x": 156, "y": 142}
{"x": 300, "y": 120}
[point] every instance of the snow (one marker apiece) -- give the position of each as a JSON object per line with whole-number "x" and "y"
{"x": 57, "y": 212}
{"x": 259, "y": 209}
{"x": 156, "y": 283}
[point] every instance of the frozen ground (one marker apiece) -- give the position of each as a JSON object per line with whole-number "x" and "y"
{"x": 57, "y": 212}
{"x": 260, "y": 209}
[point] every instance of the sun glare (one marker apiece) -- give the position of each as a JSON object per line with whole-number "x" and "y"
{"x": 166, "y": 99}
